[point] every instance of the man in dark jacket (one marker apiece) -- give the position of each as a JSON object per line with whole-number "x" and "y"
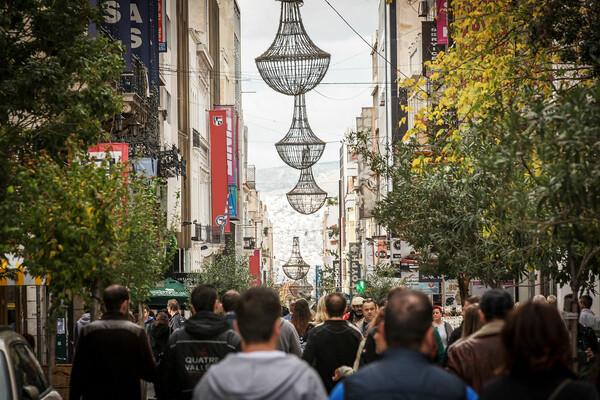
{"x": 204, "y": 340}
{"x": 176, "y": 321}
{"x": 477, "y": 359}
{"x": 112, "y": 354}
{"x": 406, "y": 371}
{"x": 230, "y": 300}
{"x": 333, "y": 343}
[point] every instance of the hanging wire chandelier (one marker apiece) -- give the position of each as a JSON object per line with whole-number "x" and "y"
{"x": 307, "y": 197}
{"x": 293, "y": 64}
{"x": 296, "y": 268}
{"x": 300, "y": 148}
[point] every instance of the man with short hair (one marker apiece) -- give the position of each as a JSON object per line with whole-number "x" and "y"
{"x": 204, "y": 340}
{"x": 333, "y": 343}
{"x": 477, "y": 359}
{"x": 369, "y": 311}
{"x": 260, "y": 371}
{"x": 112, "y": 354}
{"x": 406, "y": 370}
{"x": 587, "y": 317}
{"x": 229, "y": 301}
{"x": 176, "y": 321}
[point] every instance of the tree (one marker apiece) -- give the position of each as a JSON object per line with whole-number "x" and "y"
{"x": 143, "y": 252}
{"x": 378, "y": 284}
{"x": 56, "y": 84}
{"x": 224, "y": 271}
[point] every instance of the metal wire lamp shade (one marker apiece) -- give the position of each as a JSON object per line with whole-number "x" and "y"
{"x": 296, "y": 268}
{"x": 300, "y": 148}
{"x": 293, "y": 64}
{"x": 307, "y": 197}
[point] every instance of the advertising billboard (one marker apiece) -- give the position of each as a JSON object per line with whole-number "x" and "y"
{"x": 218, "y": 164}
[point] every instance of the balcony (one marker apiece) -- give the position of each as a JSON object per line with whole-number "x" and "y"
{"x": 202, "y": 233}
{"x": 249, "y": 243}
{"x": 251, "y": 176}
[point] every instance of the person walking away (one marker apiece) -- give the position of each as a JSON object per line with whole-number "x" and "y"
{"x": 301, "y": 321}
{"x": 334, "y": 343}
{"x": 112, "y": 354}
{"x": 537, "y": 359}
{"x": 288, "y": 340}
{"x": 471, "y": 323}
{"x": 406, "y": 371}
{"x": 229, "y": 301}
{"x": 444, "y": 328}
{"x": 587, "y": 317}
{"x": 160, "y": 336}
{"x": 476, "y": 359}
{"x": 80, "y": 324}
{"x": 355, "y": 314}
{"x": 176, "y": 321}
{"x": 148, "y": 324}
{"x": 260, "y": 371}
{"x": 369, "y": 311}
{"x": 457, "y": 333}
{"x": 204, "y": 340}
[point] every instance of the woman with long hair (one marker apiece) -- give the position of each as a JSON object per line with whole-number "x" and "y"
{"x": 321, "y": 315}
{"x": 301, "y": 320}
{"x": 537, "y": 358}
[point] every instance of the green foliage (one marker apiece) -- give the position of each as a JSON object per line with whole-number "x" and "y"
{"x": 66, "y": 219}
{"x": 55, "y": 82}
{"x": 377, "y": 285}
{"x": 143, "y": 252}
{"x": 327, "y": 280}
{"x": 224, "y": 271}
{"x": 85, "y": 226}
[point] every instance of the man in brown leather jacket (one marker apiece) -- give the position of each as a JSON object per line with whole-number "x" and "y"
{"x": 476, "y": 359}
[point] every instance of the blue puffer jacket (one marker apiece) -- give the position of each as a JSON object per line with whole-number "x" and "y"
{"x": 403, "y": 374}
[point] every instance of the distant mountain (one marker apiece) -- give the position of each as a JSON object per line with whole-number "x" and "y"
{"x": 273, "y": 184}
{"x": 284, "y": 178}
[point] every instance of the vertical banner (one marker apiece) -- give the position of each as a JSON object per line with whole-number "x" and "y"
{"x": 218, "y": 165}
{"x": 162, "y": 34}
{"x": 354, "y": 248}
{"x": 144, "y": 35}
{"x": 230, "y": 118}
{"x": 117, "y": 23}
{"x": 442, "y": 21}
{"x": 337, "y": 274}
{"x": 236, "y": 152}
{"x": 255, "y": 267}
{"x": 430, "y": 45}
{"x": 318, "y": 282}
{"x": 233, "y": 202}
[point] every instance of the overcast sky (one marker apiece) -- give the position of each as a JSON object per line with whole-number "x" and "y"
{"x": 332, "y": 107}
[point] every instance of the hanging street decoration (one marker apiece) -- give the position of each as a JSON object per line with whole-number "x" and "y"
{"x": 296, "y": 268}
{"x": 307, "y": 197}
{"x": 294, "y": 65}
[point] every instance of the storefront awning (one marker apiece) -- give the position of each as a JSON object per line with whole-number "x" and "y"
{"x": 159, "y": 296}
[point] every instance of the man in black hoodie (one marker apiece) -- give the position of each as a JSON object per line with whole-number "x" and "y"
{"x": 204, "y": 340}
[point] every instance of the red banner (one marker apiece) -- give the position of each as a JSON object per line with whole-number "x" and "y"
{"x": 255, "y": 267}
{"x": 442, "y": 21}
{"x": 218, "y": 165}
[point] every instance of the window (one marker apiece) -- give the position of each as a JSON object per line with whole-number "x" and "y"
{"x": 4, "y": 378}
{"x": 27, "y": 369}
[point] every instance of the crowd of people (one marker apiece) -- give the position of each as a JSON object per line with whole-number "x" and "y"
{"x": 241, "y": 346}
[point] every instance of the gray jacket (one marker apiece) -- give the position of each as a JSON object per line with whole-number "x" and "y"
{"x": 260, "y": 375}
{"x": 289, "y": 342}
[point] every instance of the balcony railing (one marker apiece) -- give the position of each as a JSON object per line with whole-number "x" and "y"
{"x": 202, "y": 233}
{"x": 249, "y": 243}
